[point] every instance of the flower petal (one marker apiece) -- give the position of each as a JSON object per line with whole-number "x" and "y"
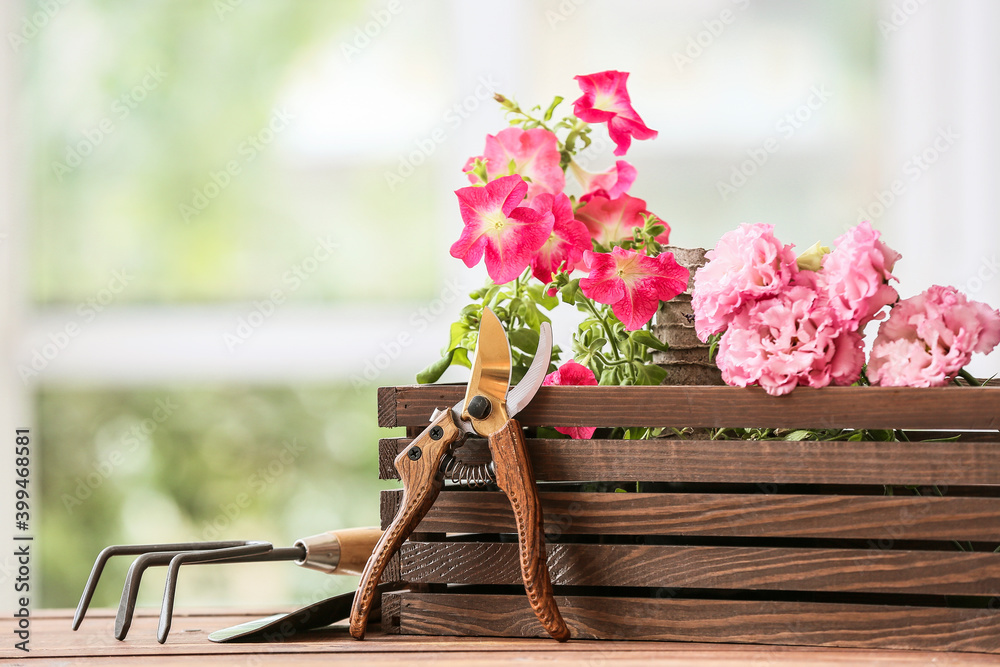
{"x": 572, "y": 374}
{"x": 535, "y": 154}
{"x": 569, "y": 238}
{"x": 606, "y": 99}
{"x": 497, "y": 227}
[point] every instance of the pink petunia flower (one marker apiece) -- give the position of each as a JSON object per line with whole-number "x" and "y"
{"x": 788, "y": 340}
{"x": 611, "y": 183}
{"x": 855, "y": 276}
{"x": 929, "y": 338}
{"x": 535, "y": 156}
{"x": 612, "y": 220}
{"x": 632, "y": 283}
{"x": 576, "y": 375}
{"x": 605, "y": 99}
{"x": 496, "y": 225}
{"x": 747, "y": 264}
{"x": 565, "y": 245}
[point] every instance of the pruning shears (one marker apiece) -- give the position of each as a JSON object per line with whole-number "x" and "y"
{"x": 488, "y": 410}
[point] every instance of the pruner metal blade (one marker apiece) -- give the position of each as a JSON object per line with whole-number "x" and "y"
{"x": 489, "y": 399}
{"x": 521, "y": 395}
{"x": 490, "y": 379}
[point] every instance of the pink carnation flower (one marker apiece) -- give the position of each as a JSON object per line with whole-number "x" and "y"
{"x": 929, "y": 338}
{"x": 747, "y": 264}
{"x": 567, "y": 242}
{"x": 632, "y": 283}
{"x": 605, "y": 99}
{"x": 788, "y": 340}
{"x": 535, "y": 156}
{"x": 496, "y": 224}
{"x": 612, "y": 220}
{"x": 855, "y": 276}
{"x": 572, "y": 374}
{"x": 611, "y": 183}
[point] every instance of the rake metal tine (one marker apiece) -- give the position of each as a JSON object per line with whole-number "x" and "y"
{"x": 130, "y": 592}
{"x": 245, "y": 552}
{"x": 125, "y": 550}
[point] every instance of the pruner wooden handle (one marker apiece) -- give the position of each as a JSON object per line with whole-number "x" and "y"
{"x": 419, "y": 467}
{"x": 515, "y": 477}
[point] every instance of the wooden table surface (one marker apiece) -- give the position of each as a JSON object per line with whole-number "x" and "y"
{"x": 53, "y": 643}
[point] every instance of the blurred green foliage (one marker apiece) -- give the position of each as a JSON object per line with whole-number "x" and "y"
{"x": 134, "y": 107}
{"x": 200, "y": 463}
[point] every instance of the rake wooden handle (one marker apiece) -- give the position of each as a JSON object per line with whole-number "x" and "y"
{"x": 515, "y": 477}
{"x": 419, "y": 467}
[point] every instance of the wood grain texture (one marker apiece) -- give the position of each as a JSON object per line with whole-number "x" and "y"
{"x": 386, "y": 397}
{"x": 733, "y": 568}
{"x": 51, "y": 644}
{"x": 829, "y": 407}
{"x": 739, "y": 461}
{"x": 688, "y": 620}
{"x": 749, "y": 515}
{"x": 515, "y": 477}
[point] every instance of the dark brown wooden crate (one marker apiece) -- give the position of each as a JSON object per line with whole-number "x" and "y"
{"x": 735, "y": 461}
{"x": 963, "y": 408}
{"x": 750, "y": 541}
{"x": 725, "y": 515}
{"x": 667, "y": 619}
{"x": 718, "y": 567}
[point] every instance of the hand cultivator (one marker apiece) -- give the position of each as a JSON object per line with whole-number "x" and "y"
{"x": 333, "y": 552}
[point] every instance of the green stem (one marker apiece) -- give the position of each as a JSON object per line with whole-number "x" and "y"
{"x": 518, "y": 110}
{"x": 608, "y": 362}
{"x": 604, "y": 324}
{"x": 970, "y": 378}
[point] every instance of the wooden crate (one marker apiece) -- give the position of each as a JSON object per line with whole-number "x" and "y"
{"x": 729, "y": 541}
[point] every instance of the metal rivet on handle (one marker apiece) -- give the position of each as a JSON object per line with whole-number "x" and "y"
{"x": 480, "y": 407}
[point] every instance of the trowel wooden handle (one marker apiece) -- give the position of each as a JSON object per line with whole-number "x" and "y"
{"x": 339, "y": 551}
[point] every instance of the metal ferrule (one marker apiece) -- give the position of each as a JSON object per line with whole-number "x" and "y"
{"x": 322, "y": 552}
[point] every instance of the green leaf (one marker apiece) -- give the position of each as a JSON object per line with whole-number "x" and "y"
{"x": 461, "y": 357}
{"x": 643, "y": 337}
{"x": 540, "y": 296}
{"x": 569, "y": 291}
{"x": 649, "y": 374}
{"x": 433, "y": 372}
{"x": 609, "y": 376}
{"x": 490, "y": 294}
{"x": 796, "y": 436}
{"x": 457, "y": 334}
{"x": 597, "y": 344}
{"x": 525, "y": 340}
{"x": 552, "y": 107}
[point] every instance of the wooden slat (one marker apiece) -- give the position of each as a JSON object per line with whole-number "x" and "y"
{"x": 753, "y": 568}
{"x": 738, "y": 461}
{"x": 794, "y": 623}
{"x": 730, "y": 515}
{"x": 830, "y": 407}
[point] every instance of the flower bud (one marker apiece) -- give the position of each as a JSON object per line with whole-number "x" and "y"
{"x": 812, "y": 259}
